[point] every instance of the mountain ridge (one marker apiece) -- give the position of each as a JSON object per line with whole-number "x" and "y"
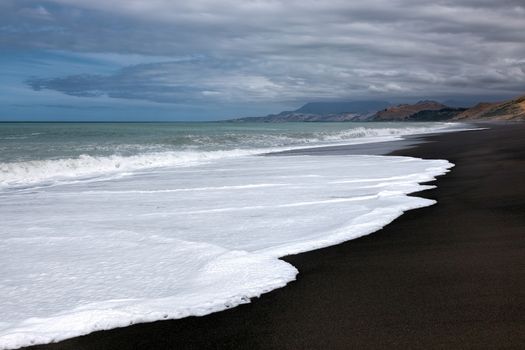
{"x": 424, "y": 110}
{"x": 405, "y": 111}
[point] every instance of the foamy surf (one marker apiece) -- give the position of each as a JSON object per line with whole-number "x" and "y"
{"x": 184, "y": 150}
{"x": 182, "y": 241}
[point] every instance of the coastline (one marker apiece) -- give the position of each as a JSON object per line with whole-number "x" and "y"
{"x": 448, "y": 275}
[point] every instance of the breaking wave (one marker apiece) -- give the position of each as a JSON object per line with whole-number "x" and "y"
{"x": 46, "y": 171}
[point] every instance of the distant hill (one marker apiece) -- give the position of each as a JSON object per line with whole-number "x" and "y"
{"x": 512, "y": 110}
{"x": 285, "y": 117}
{"x": 406, "y": 111}
{"x": 477, "y": 111}
{"x": 355, "y": 107}
{"x": 436, "y": 115}
{"x": 323, "y": 112}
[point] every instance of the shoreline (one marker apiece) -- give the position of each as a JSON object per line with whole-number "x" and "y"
{"x": 386, "y": 289}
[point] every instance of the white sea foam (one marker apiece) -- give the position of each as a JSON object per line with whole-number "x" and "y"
{"x": 182, "y": 241}
{"x": 85, "y": 166}
{"x": 51, "y": 171}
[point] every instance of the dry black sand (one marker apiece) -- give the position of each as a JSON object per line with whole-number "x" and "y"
{"x": 448, "y": 276}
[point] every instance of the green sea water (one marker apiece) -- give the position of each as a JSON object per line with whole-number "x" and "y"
{"x": 20, "y": 142}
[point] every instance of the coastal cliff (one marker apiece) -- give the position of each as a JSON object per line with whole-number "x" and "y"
{"x": 381, "y": 111}
{"x": 512, "y": 110}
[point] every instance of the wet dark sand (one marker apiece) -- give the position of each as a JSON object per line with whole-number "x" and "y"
{"x": 449, "y": 276}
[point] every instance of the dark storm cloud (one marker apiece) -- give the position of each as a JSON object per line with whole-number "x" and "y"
{"x": 279, "y": 50}
{"x": 197, "y": 80}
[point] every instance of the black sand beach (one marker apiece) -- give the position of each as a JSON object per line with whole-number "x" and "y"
{"x": 448, "y": 276}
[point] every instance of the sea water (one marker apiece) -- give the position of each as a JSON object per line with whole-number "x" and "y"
{"x": 106, "y": 225}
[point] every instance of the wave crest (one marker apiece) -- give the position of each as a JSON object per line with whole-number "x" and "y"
{"x": 24, "y": 173}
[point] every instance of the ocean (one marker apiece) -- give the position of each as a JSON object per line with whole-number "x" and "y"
{"x": 105, "y": 225}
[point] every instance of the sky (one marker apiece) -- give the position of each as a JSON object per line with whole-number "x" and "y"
{"x": 156, "y": 60}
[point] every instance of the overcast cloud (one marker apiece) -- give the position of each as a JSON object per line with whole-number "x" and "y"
{"x": 273, "y": 52}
